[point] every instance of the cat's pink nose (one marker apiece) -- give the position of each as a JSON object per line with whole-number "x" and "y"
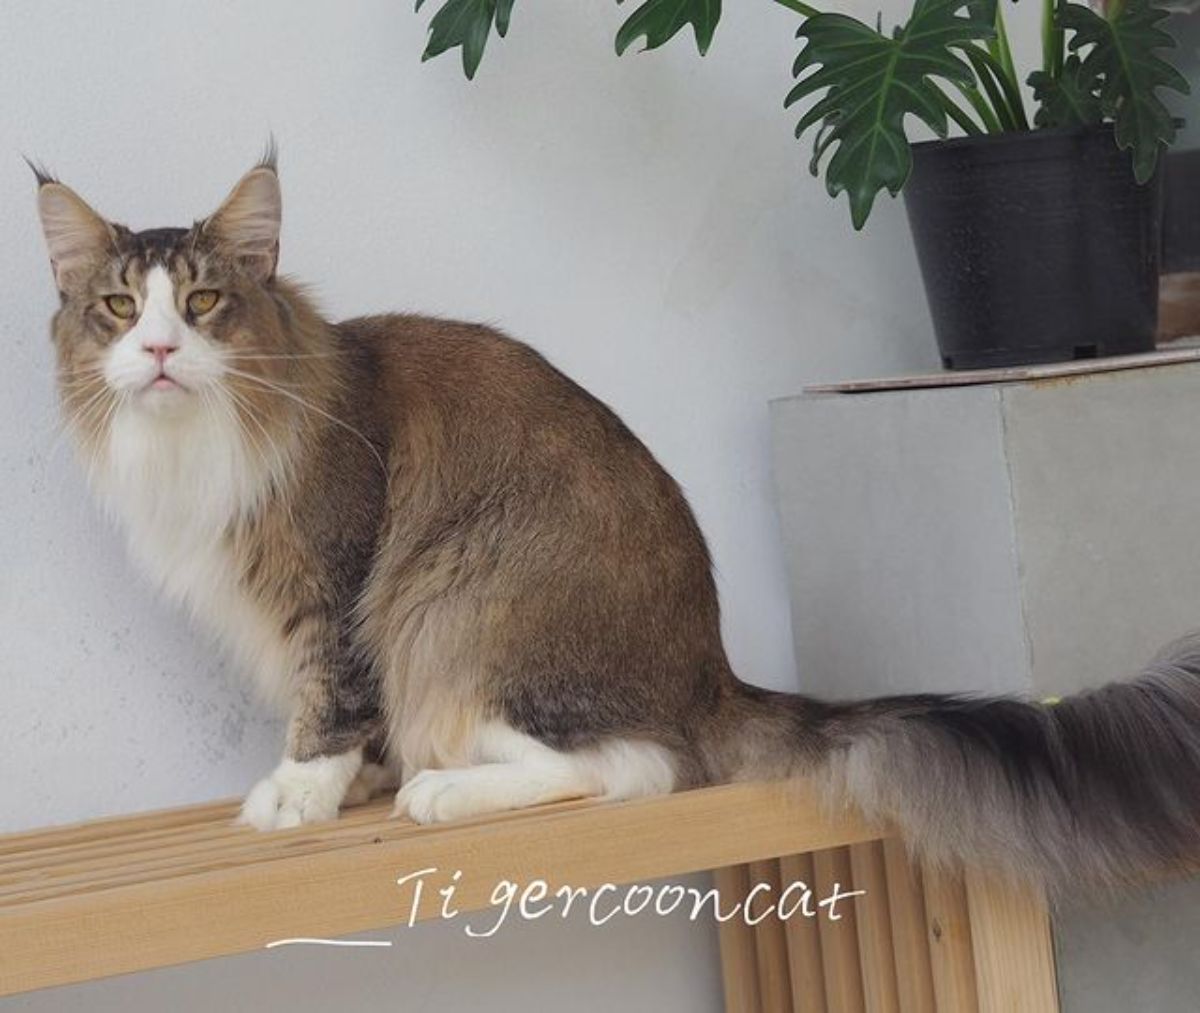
{"x": 160, "y": 350}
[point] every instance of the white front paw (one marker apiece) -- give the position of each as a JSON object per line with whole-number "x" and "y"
{"x": 437, "y": 796}
{"x": 299, "y": 792}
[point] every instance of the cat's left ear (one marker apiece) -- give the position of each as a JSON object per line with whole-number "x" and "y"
{"x": 247, "y": 222}
{"x": 75, "y": 234}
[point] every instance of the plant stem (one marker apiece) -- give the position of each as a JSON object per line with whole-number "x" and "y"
{"x": 799, "y": 7}
{"x": 985, "y": 65}
{"x": 1052, "y": 40}
{"x": 990, "y": 121}
{"x": 987, "y": 78}
{"x": 968, "y": 125}
{"x": 1001, "y": 52}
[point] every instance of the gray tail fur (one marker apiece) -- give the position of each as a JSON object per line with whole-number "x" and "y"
{"x": 1096, "y": 789}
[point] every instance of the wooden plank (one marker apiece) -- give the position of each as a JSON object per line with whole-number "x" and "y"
{"x": 98, "y": 829}
{"x": 179, "y": 848}
{"x": 266, "y": 893}
{"x": 1011, "y": 374}
{"x": 1013, "y": 947}
{"x": 125, "y": 866}
{"x": 948, "y": 934}
{"x": 770, "y": 936}
{"x": 873, "y": 916}
{"x": 839, "y": 938}
{"x": 803, "y": 937}
{"x": 906, "y": 904}
{"x": 739, "y": 955}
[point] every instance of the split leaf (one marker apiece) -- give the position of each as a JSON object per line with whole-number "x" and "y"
{"x": 872, "y": 82}
{"x": 660, "y": 20}
{"x": 1070, "y": 100}
{"x": 466, "y": 24}
{"x": 1120, "y": 53}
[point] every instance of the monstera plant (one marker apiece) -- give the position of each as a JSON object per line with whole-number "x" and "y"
{"x": 950, "y": 62}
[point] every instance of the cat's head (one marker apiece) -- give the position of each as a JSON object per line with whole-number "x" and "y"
{"x": 166, "y": 321}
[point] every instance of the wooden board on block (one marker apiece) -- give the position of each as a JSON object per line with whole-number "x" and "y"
{"x": 1010, "y": 374}
{"x": 124, "y": 895}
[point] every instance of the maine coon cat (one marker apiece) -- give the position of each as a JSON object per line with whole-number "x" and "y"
{"x": 459, "y": 571}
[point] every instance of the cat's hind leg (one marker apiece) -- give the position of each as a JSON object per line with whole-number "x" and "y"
{"x": 513, "y": 770}
{"x": 377, "y": 776}
{"x": 371, "y": 781}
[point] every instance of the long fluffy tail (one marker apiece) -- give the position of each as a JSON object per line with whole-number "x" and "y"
{"x": 1098, "y": 788}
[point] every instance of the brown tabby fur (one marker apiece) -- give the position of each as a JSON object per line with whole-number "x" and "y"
{"x": 444, "y": 532}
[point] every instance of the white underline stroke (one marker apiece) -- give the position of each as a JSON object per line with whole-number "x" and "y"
{"x": 305, "y": 941}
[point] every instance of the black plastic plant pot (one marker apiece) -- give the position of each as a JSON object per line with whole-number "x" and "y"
{"x": 1035, "y": 247}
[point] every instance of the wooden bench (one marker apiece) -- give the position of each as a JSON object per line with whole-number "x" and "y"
{"x": 130, "y": 893}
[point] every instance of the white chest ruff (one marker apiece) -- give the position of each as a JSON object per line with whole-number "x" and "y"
{"x": 175, "y": 485}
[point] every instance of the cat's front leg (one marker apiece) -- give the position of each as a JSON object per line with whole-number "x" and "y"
{"x": 336, "y": 716}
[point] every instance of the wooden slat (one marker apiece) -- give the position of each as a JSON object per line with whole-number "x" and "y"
{"x": 1013, "y": 947}
{"x": 173, "y": 850}
{"x": 739, "y": 957}
{"x": 948, "y": 932}
{"x": 906, "y": 904}
{"x": 232, "y": 848}
{"x": 873, "y": 916}
{"x": 105, "y": 827}
{"x": 203, "y": 906}
{"x": 139, "y": 833}
{"x": 803, "y": 938}
{"x": 770, "y": 938}
{"x": 839, "y": 938}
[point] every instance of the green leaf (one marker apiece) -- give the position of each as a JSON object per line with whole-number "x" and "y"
{"x": 990, "y": 74}
{"x": 660, "y": 20}
{"x": 872, "y": 82}
{"x": 1070, "y": 100}
{"x": 983, "y": 10}
{"x": 1121, "y": 54}
{"x": 466, "y": 23}
{"x": 503, "y": 16}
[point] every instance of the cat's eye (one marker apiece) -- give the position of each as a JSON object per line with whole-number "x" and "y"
{"x": 202, "y": 301}
{"x": 121, "y": 306}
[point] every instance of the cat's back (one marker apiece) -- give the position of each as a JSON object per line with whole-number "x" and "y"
{"x": 474, "y": 377}
{"x": 478, "y": 411}
{"x": 448, "y": 356}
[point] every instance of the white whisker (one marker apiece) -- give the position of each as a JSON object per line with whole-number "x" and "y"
{"x": 242, "y": 356}
{"x": 304, "y": 403}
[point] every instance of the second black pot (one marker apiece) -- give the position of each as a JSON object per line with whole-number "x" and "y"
{"x": 1035, "y": 247}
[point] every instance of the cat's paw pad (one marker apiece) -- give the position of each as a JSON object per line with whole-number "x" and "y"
{"x": 296, "y": 793}
{"x": 439, "y": 796}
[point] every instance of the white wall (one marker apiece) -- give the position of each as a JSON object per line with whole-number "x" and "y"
{"x": 648, "y": 223}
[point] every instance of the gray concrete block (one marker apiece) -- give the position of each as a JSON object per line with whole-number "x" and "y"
{"x": 1035, "y": 537}
{"x": 899, "y": 535}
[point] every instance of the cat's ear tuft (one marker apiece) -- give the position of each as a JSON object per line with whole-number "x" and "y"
{"x": 75, "y": 234}
{"x": 248, "y": 221}
{"x": 40, "y": 172}
{"x": 270, "y": 156}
